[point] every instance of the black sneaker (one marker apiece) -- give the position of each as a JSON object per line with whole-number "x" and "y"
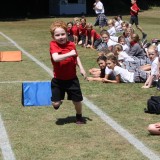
{"x": 79, "y": 119}
{"x": 144, "y": 36}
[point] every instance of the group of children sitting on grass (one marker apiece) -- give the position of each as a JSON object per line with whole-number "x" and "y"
{"x": 121, "y": 56}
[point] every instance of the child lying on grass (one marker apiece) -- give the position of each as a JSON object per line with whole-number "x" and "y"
{"x": 102, "y": 72}
{"x": 123, "y": 75}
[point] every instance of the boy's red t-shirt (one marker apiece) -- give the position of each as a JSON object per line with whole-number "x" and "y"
{"x": 136, "y": 8}
{"x": 65, "y": 69}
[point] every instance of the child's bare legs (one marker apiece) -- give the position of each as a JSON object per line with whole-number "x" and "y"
{"x": 154, "y": 129}
{"x": 78, "y": 108}
{"x": 139, "y": 28}
{"x": 144, "y": 35}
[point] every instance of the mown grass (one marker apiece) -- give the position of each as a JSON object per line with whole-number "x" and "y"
{"x": 41, "y": 133}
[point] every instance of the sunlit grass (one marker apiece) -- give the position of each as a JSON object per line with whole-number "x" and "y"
{"x": 45, "y": 134}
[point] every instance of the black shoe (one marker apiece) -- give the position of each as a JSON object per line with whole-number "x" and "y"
{"x": 79, "y": 119}
{"x": 144, "y": 36}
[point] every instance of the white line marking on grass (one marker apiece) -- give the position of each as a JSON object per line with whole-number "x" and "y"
{"x": 4, "y": 143}
{"x": 124, "y": 133}
{"x": 108, "y": 120}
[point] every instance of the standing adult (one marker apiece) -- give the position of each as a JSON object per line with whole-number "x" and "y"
{"x": 101, "y": 19}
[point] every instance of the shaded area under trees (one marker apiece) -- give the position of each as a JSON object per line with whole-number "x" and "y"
{"x": 40, "y": 8}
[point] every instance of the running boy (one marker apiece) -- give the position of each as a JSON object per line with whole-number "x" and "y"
{"x": 134, "y": 17}
{"x": 64, "y": 59}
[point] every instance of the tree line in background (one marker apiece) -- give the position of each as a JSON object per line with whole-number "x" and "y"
{"x": 40, "y": 8}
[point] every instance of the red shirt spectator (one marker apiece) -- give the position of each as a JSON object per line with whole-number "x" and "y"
{"x": 92, "y": 33}
{"x": 135, "y": 8}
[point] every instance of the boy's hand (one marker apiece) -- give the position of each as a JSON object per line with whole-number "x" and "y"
{"x": 73, "y": 53}
{"x": 83, "y": 73}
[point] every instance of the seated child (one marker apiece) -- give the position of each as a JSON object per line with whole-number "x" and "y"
{"x": 122, "y": 41}
{"x": 111, "y": 28}
{"x": 118, "y": 51}
{"x": 136, "y": 49}
{"x": 127, "y": 35}
{"x": 82, "y": 31}
{"x": 75, "y": 30}
{"x": 152, "y": 53}
{"x": 92, "y": 37}
{"x": 117, "y": 22}
{"x": 106, "y": 42}
{"x": 70, "y": 31}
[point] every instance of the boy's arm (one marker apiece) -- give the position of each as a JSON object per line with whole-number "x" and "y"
{"x": 82, "y": 71}
{"x": 133, "y": 10}
{"x": 59, "y": 57}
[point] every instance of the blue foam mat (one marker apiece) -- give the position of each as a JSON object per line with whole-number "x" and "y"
{"x": 36, "y": 93}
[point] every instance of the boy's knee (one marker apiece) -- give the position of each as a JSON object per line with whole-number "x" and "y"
{"x": 56, "y": 104}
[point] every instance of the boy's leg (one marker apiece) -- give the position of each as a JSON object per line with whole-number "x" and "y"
{"x": 75, "y": 94}
{"x": 56, "y": 105}
{"x": 57, "y": 93}
{"x": 78, "y": 108}
{"x": 144, "y": 35}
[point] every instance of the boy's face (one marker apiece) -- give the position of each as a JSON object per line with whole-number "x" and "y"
{"x": 133, "y": 1}
{"x": 60, "y": 35}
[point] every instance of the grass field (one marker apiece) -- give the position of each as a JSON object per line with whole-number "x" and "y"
{"x": 41, "y": 133}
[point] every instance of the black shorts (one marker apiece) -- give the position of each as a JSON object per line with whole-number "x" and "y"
{"x": 71, "y": 87}
{"x": 134, "y": 19}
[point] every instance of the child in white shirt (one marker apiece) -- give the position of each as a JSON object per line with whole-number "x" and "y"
{"x": 111, "y": 28}
{"x": 152, "y": 53}
{"x": 123, "y": 75}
